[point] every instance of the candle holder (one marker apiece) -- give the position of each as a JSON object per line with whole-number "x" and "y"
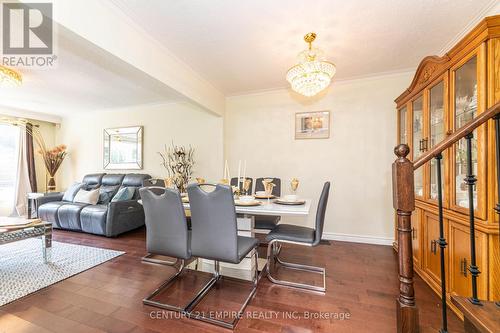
{"x": 246, "y": 185}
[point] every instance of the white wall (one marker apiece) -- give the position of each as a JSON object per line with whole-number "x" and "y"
{"x": 356, "y": 158}
{"x": 182, "y": 123}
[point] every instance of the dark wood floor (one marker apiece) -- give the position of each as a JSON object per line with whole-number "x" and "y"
{"x": 361, "y": 282}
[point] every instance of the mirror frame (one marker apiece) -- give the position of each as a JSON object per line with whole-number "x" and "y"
{"x": 138, "y": 164}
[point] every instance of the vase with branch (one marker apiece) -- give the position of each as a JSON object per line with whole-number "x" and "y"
{"x": 178, "y": 162}
{"x": 53, "y": 158}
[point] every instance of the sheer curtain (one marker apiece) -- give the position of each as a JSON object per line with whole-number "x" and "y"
{"x": 9, "y": 136}
{"x": 22, "y": 185}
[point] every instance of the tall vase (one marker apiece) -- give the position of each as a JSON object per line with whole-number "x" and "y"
{"x": 51, "y": 185}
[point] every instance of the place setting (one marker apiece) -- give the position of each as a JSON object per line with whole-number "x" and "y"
{"x": 291, "y": 199}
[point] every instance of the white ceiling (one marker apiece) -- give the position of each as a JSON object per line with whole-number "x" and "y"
{"x": 243, "y": 46}
{"x": 85, "y": 78}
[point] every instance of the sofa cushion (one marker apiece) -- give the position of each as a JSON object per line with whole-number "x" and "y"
{"x": 93, "y": 219}
{"x": 92, "y": 180}
{"x": 106, "y": 193}
{"x": 69, "y": 215}
{"x": 112, "y": 179}
{"x": 87, "y": 197}
{"x": 48, "y": 212}
{"x": 135, "y": 180}
{"x": 70, "y": 193}
{"x": 124, "y": 193}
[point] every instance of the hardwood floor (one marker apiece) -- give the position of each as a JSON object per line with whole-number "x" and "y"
{"x": 361, "y": 284}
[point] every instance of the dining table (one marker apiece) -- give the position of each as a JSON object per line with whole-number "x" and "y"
{"x": 269, "y": 208}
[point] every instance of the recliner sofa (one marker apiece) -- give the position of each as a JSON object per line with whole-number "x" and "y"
{"x": 108, "y": 219}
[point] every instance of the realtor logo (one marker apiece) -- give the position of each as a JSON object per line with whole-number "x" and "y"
{"x": 27, "y": 34}
{"x": 27, "y": 28}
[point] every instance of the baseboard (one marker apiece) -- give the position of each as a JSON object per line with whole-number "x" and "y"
{"x": 358, "y": 238}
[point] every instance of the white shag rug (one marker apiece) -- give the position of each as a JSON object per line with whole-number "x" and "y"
{"x": 22, "y": 270}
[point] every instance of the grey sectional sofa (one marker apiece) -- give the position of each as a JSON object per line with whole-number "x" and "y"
{"x": 108, "y": 219}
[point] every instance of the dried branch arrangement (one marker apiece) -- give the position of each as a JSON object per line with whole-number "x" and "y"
{"x": 179, "y": 162}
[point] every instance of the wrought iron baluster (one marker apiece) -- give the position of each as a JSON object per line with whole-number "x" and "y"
{"x": 471, "y": 180}
{"x": 442, "y": 245}
{"x": 497, "y": 139}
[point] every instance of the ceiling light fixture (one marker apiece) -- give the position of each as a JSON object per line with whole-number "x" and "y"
{"x": 312, "y": 74}
{"x": 9, "y": 77}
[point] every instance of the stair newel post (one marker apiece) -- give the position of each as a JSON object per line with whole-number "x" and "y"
{"x": 404, "y": 204}
{"x": 471, "y": 180}
{"x": 442, "y": 246}
{"x": 497, "y": 150}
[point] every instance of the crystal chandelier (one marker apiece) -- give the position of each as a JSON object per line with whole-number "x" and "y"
{"x": 9, "y": 77}
{"x": 312, "y": 74}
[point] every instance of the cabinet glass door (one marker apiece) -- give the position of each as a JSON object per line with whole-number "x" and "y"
{"x": 436, "y": 133}
{"x": 418, "y": 134}
{"x": 465, "y": 110}
{"x": 403, "y": 134}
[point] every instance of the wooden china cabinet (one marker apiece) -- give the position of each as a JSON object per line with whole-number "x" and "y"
{"x": 445, "y": 94}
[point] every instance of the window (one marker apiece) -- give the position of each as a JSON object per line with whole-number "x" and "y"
{"x": 9, "y": 140}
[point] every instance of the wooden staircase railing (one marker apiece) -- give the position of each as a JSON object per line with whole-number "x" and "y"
{"x": 404, "y": 203}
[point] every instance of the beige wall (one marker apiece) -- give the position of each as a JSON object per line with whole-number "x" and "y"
{"x": 181, "y": 123}
{"x": 356, "y": 158}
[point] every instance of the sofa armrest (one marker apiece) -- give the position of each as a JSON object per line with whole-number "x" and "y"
{"x": 48, "y": 198}
{"x": 124, "y": 216}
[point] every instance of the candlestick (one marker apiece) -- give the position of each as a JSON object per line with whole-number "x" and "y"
{"x": 239, "y": 173}
{"x": 244, "y": 172}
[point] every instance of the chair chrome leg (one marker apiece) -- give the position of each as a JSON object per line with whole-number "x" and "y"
{"x": 148, "y": 258}
{"x": 312, "y": 269}
{"x": 149, "y": 299}
{"x": 234, "y": 322}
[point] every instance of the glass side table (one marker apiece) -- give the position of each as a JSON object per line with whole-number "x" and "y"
{"x": 32, "y": 207}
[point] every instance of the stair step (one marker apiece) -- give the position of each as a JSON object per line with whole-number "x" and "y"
{"x": 483, "y": 318}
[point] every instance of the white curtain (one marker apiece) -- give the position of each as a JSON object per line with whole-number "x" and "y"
{"x": 22, "y": 185}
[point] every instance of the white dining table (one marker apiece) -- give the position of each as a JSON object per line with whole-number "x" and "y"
{"x": 270, "y": 208}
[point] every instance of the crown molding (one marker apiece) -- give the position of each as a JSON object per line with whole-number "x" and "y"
{"x": 492, "y": 8}
{"x": 348, "y": 80}
{"x": 20, "y": 113}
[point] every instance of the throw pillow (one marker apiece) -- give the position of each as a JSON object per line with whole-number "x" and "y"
{"x": 89, "y": 197}
{"x": 125, "y": 193}
{"x": 70, "y": 193}
{"x": 106, "y": 193}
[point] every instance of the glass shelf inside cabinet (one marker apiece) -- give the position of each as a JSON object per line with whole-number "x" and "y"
{"x": 418, "y": 134}
{"x": 403, "y": 135}
{"x": 437, "y": 130}
{"x": 465, "y": 110}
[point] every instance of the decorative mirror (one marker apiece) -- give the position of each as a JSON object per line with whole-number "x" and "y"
{"x": 123, "y": 148}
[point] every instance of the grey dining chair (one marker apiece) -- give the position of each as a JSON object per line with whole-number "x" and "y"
{"x": 267, "y": 222}
{"x": 234, "y": 182}
{"x": 153, "y": 182}
{"x": 166, "y": 234}
{"x": 214, "y": 236}
{"x": 293, "y": 234}
{"x": 149, "y": 257}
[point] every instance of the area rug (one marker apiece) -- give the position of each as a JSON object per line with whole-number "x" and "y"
{"x": 22, "y": 270}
